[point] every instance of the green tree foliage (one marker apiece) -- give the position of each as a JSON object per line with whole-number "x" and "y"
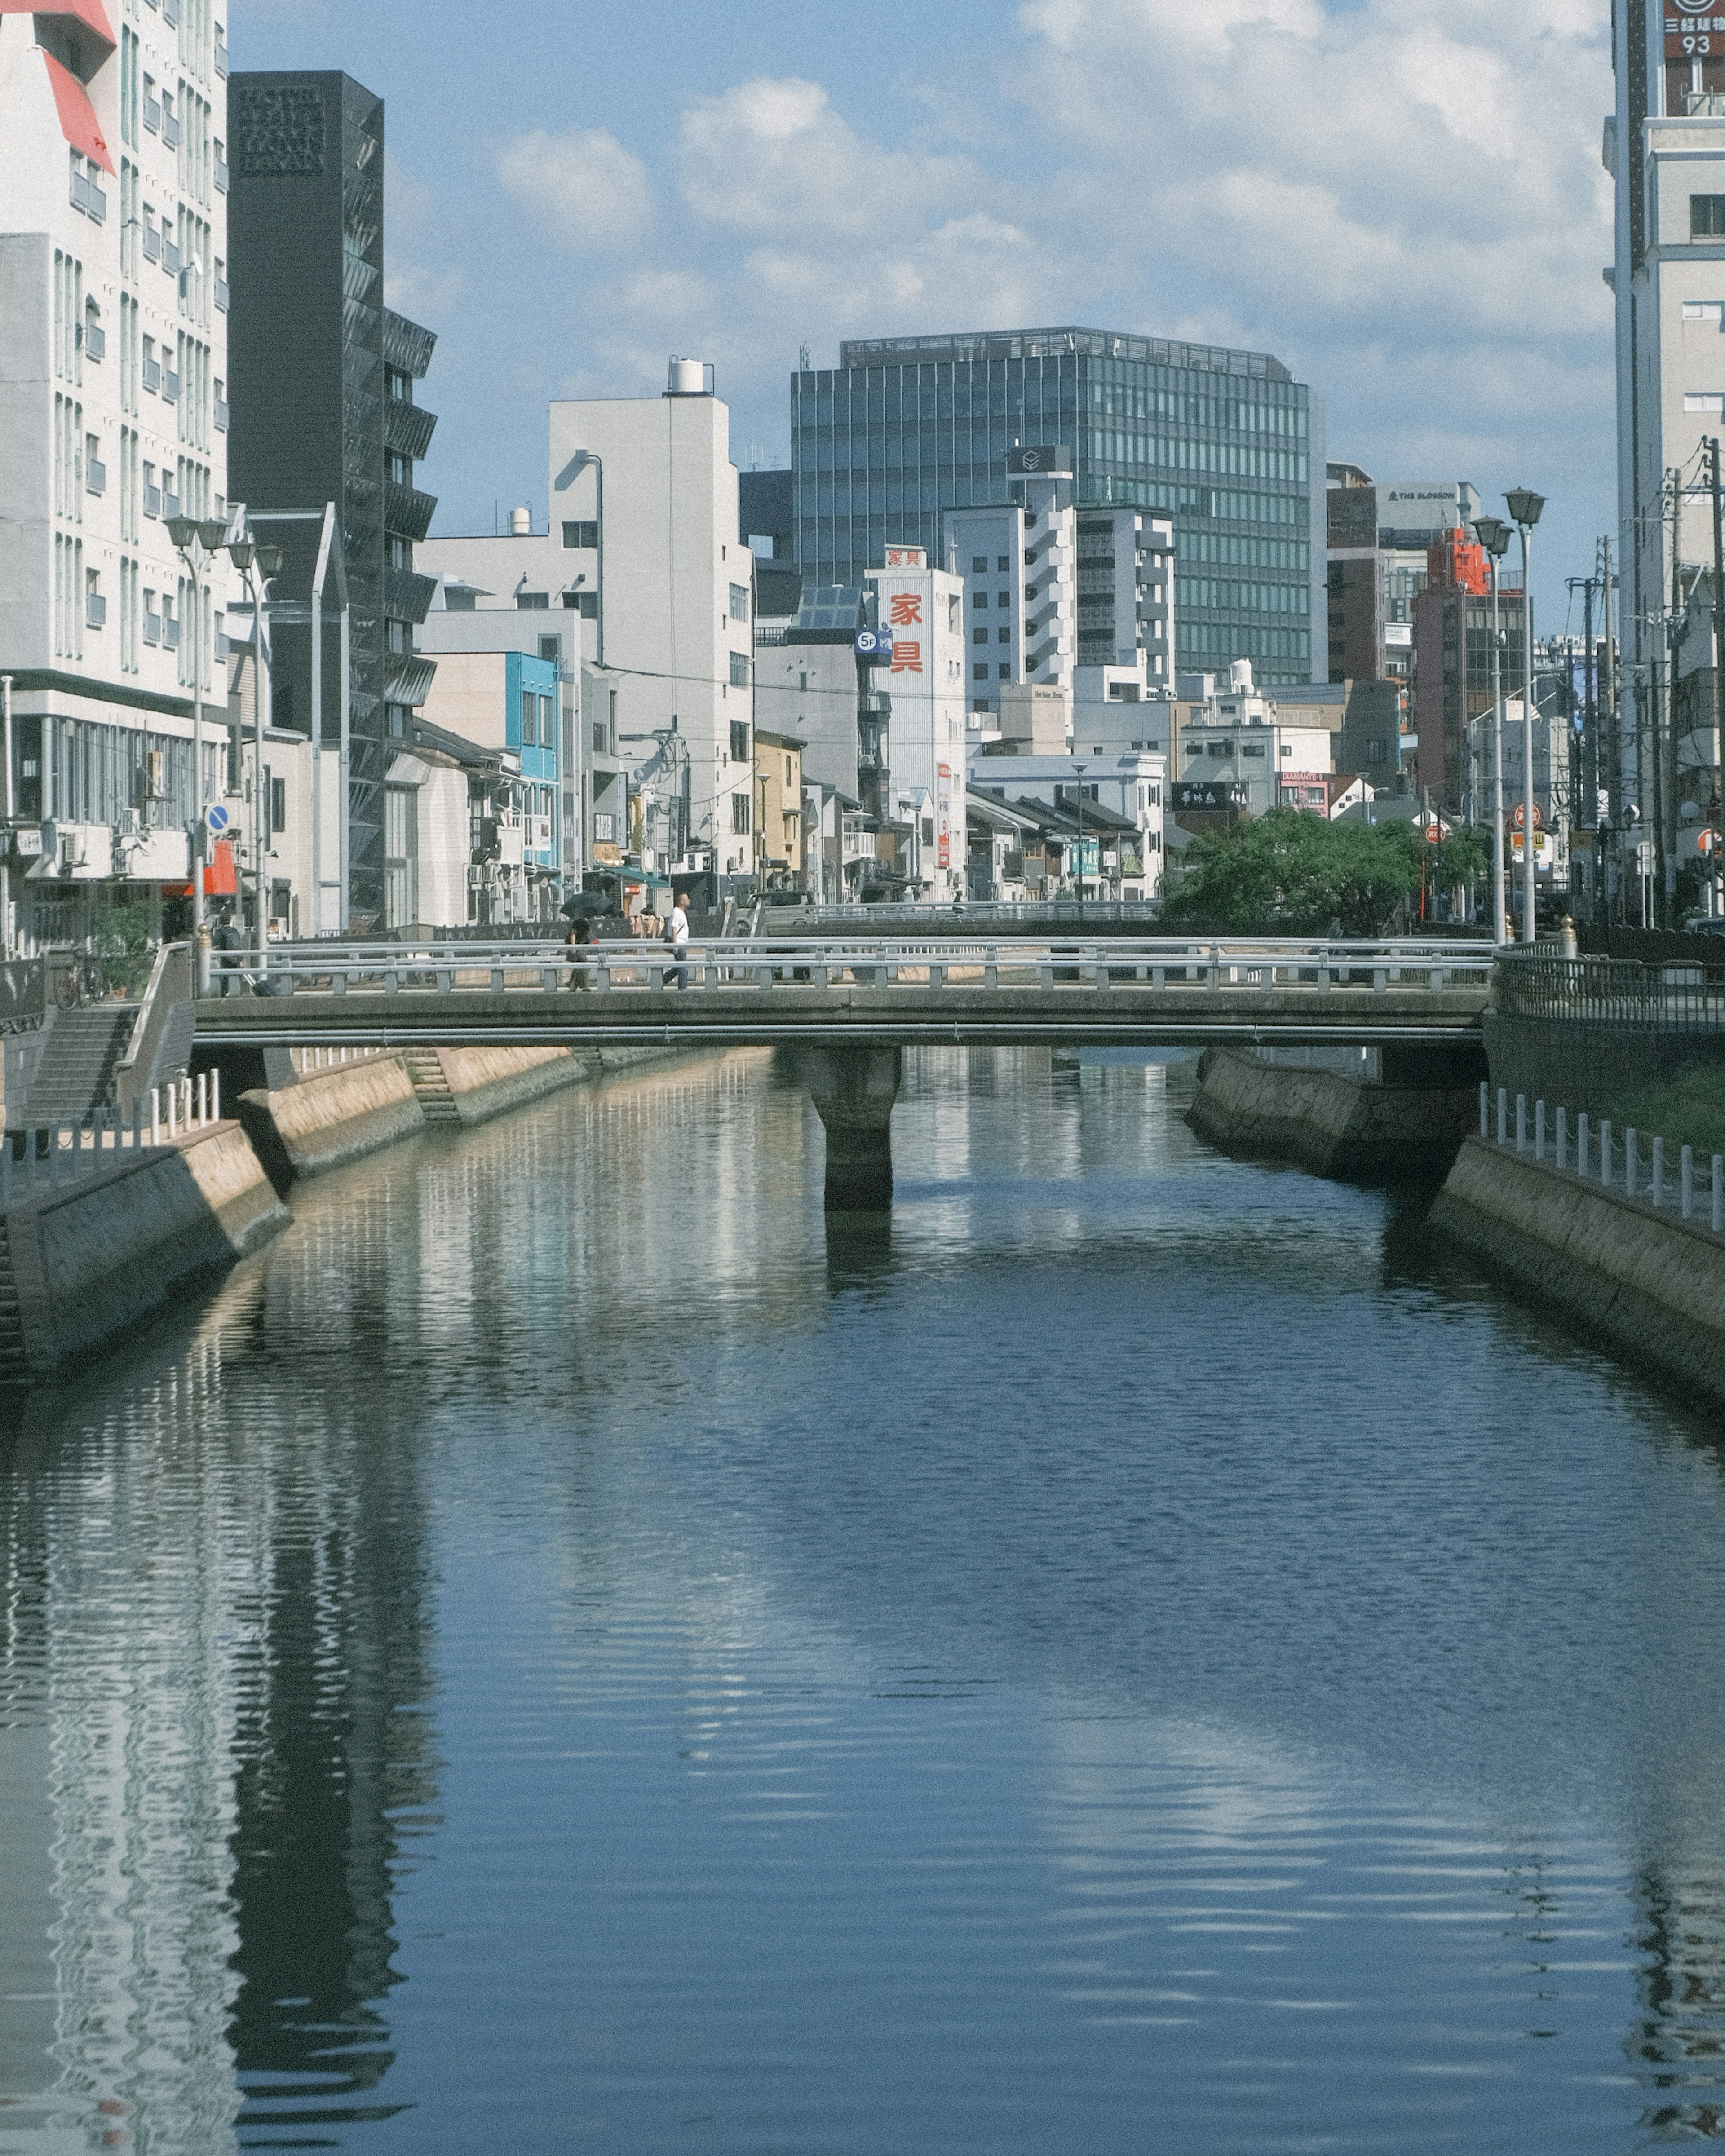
{"x": 1290, "y": 873}
{"x": 121, "y": 933}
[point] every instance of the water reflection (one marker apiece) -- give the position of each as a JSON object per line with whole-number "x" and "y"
{"x": 573, "y": 1644}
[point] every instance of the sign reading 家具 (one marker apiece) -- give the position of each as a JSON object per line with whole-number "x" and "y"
{"x": 906, "y": 558}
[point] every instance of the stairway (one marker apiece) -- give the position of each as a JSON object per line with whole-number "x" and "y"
{"x": 14, "y": 1367}
{"x": 75, "y": 1076}
{"x": 425, "y": 1072}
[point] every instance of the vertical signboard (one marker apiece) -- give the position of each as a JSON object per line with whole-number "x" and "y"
{"x": 943, "y": 811}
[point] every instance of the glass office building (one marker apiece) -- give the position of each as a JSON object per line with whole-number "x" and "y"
{"x": 1226, "y": 444}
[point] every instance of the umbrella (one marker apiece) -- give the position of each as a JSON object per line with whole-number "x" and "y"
{"x": 585, "y": 905}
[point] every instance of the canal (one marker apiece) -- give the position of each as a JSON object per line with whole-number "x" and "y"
{"x": 561, "y": 1652}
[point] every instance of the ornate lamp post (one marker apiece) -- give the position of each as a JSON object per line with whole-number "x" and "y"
{"x": 197, "y": 540}
{"x": 1525, "y": 507}
{"x": 259, "y": 566}
{"x": 1493, "y": 534}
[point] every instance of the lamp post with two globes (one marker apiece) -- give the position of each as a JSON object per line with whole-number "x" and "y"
{"x": 1524, "y": 508}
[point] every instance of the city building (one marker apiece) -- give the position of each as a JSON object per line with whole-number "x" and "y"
{"x": 1379, "y": 536}
{"x": 113, "y": 420}
{"x": 1452, "y": 672}
{"x": 766, "y": 520}
{"x": 507, "y": 705}
{"x": 1235, "y": 743}
{"x": 642, "y": 551}
{"x": 1224, "y": 444}
{"x": 1664, "y": 147}
{"x": 1115, "y": 843}
{"x": 326, "y": 410}
{"x": 780, "y": 863}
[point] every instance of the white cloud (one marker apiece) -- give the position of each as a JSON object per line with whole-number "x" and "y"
{"x": 588, "y": 190}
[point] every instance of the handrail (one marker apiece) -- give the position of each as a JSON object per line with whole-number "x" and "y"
{"x": 150, "y": 1022}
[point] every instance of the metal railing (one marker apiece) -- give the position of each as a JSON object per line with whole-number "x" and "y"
{"x": 38, "y": 1161}
{"x": 1680, "y": 997}
{"x": 1241, "y": 965}
{"x": 1592, "y": 1152}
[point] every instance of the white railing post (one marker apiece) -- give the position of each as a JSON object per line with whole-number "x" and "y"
{"x": 1521, "y": 1122}
{"x": 1485, "y": 1108}
{"x": 156, "y": 1115}
{"x": 1581, "y": 1143}
{"x": 215, "y": 1096}
{"x": 1632, "y": 1146}
{"x": 1539, "y": 1130}
{"x": 1605, "y": 1151}
{"x": 1685, "y": 1181}
{"x": 173, "y": 1111}
{"x": 1658, "y": 1171}
{"x": 203, "y": 1099}
{"x": 1503, "y": 1115}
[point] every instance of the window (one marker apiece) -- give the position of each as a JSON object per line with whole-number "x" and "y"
{"x": 982, "y": 673}
{"x": 1006, "y": 673}
{"x": 598, "y": 737}
{"x": 400, "y": 469}
{"x": 278, "y": 804}
{"x": 399, "y": 386}
{"x": 1003, "y": 563}
{"x": 979, "y": 565}
{"x": 739, "y": 670}
{"x": 1004, "y": 599}
{"x": 739, "y": 741}
{"x": 547, "y": 734}
{"x": 981, "y": 599}
{"x": 789, "y": 778}
{"x": 1029, "y": 558}
{"x": 532, "y": 602}
{"x": 578, "y": 535}
{"x": 739, "y": 603}
{"x": 740, "y": 812}
{"x": 1003, "y": 635}
{"x": 1701, "y": 400}
{"x": 551, "y": 648}
{"x": 1703, "y": 310}
{"x": 979, "y": 636}
{"x": 530, "y": 720}
{"x": 1706, "y": 217}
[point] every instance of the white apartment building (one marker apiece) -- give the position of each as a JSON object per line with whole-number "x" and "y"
{"x": 1054, "y": 592}
{"x": 1131, "y": 786}
{"x": 113, "y": 239}
{"x": 1664, "y": 147}
{"x": 1238, "y": 737}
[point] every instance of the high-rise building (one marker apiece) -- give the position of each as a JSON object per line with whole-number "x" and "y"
{"x": 1664, "y": 146}
{"x": 1377, "y": 537}
{"x": 113, "y": 365}
{"x": 1452, "y": 674}
{"x": 326, "y": 410}
{"x": 1224, "y": 444}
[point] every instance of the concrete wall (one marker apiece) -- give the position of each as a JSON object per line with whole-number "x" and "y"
{"x": 338, "y": 1116}
{"x": 1333, "y": 1122}
{"x": 1651, "y": 1285}
{"x": 92, "y": 1260}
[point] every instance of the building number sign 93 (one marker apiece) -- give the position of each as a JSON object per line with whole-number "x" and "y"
{"x": 1689, "y": 31}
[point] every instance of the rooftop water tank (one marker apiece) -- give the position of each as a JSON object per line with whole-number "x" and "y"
{"x": 688, "y": 378}
{"x": 1240, "y": 677}
{"x": 521, "y": 523}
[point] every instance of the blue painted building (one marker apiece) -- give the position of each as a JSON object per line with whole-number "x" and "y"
{"x": 531, "y": 689}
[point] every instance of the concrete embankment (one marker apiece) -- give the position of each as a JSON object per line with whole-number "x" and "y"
{"x": 1391, "y": 1115}
{"x": 1650, "y": 1283}
{"x": 335, "y": 1115}
{"x": 88, "y": 1262}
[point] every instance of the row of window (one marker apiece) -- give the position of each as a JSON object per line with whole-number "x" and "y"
{"x": 79, "y": 771}
{"x": 1223, "y": 593}
{"x": 1238, "y": 550}
{"x": 981, "y": 636}
{"x": 538, "y": 720}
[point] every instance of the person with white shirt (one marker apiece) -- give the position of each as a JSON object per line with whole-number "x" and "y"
{"x": 676, "y": 934}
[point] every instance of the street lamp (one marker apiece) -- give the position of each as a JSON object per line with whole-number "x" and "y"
{"x": 196, "y": 539}
{"x": 248, "y": 557}
{"x": 1524, "y": 507}
{"x": 1493, "y": 534}
{"x": 1079, "y": 768}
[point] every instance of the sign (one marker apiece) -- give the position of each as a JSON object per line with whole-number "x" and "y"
{"x": 1021, "y": 463}
{"x": 1521, "y": 813}
{"x": 1187, "y": 796}
{"x": 906, "y": 558}
{"x": 1543, "y": 851}
{"x": 1691, "y": 27}
{"x": 1433, "y": 834}
{"x": 944, "y": 825}
{"x": 217, "y": 818}
{"x": 28, "y": 843}
{"x": 874, "y": 646}
{"x": 1707, "y": 842}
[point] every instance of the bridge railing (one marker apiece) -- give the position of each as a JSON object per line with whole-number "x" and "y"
{"x": 765, "y": 963}
{"x": 1676, "y": 998}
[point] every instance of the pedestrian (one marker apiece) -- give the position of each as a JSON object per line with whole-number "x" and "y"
{"x": 676, "y": 934}
{"x": 580, "y": 936}
{"x": 227, "y": 938}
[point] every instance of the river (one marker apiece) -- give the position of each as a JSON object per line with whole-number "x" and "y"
{"x": 561, "y": 1652}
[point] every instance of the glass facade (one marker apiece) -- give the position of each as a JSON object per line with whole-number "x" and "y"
{"x": 1224, "y": 442}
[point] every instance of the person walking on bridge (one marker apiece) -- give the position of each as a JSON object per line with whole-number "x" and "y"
{"x": 676, "y": 934}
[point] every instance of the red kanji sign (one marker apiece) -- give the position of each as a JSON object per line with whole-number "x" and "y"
{"x": 907, "y": 608}
{"x": 906, "y": 658}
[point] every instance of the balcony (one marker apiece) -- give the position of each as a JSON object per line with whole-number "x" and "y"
{"x": 222, "y": 294}
{"x": 171, "y": 255}
{"x": 171, "y": 130}
{"x": 152, "y": 243}
{"x": 152, "y": 502}
{"x": 406, "y": 511}
{"x": 407, "y": 595}
{"x": 87, "y": 196}
{"x": 95, "y": 341}
{"x": 170, "y": 503}
{"x": 152, "y": 627}
{"x": 96, "y": 610}
{"x": 153, "y": 113}
{"x": 96, "y": 476}
{"x": 171, "y": 385}
{"x": 221, "y": 176}
{"x": 221, "y": 60}
{"x": 222, "y": 414}
{"x": 408, "y": 428}
{"x": 409, "y": 679}
{"x": 152, "y": 376}
{"x": 170, "y": 632}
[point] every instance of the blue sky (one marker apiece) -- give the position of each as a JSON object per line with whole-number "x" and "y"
{"x": 1401, "y": 198}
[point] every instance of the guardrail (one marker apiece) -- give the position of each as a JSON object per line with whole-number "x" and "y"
{"x": 1596, "y": 1156}
{"x": 169, "y": 984}
{"x": 1676, "y": 997}
{"x": 50, "y": 1156}
{"x": 764, "y": 963}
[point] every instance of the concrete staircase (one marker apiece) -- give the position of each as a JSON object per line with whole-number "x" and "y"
{"x": 425, "y": 1073}
{"x": 74, "y": 1078}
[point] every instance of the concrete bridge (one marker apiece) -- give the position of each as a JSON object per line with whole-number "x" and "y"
{"x": 849, "y": 1005}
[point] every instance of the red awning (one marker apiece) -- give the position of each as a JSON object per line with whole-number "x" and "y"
{"x": 77, "y": 120}
{"x": 220, "y": 878}
{"x": 91, "y": 13}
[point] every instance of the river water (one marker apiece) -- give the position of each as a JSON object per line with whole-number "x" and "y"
{"x": 561, "y": 1652}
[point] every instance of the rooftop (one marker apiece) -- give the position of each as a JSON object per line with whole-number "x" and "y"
{"x": 1053, "y": 343}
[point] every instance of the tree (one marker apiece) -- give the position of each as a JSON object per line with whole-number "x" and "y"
{"x": 1290, "y": 873}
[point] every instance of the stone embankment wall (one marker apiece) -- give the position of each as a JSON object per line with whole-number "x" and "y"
{"x": 86, "y": 1262}
{"x": 1651, "y": 1284}
{"x": 1333, "y": 1122}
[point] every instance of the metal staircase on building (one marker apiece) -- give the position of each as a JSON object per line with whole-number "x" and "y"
{"x": 425, "y": 1073}
{"x": 75, "y": 1076}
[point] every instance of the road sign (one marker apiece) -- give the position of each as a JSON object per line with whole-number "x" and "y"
{"x": 1433, "y": 834}
{"x": 874, "y": 646}
{"x": 1707, "y": 842}
{"x": 217, "y": 818}
{"x": 1521, "y": 812}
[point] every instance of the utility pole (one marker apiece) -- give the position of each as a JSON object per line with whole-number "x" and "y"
{"x": 1718, "y": 603}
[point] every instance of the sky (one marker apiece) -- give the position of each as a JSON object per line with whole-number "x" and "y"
{"x": 1402, "y": 199}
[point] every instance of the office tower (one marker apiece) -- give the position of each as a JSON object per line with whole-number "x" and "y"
{"x": 325, "y": 411}
{"x": 1225, "y": 444}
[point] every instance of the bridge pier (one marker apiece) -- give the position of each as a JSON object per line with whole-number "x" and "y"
{"x": 853, "y": 1090}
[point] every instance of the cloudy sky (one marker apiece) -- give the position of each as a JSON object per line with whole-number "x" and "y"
{"x": 1403, "y": 199}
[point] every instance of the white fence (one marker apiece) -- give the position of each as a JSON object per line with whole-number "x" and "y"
{"x": 1594, "y": 1153}
{"x": 44, "y": 1159}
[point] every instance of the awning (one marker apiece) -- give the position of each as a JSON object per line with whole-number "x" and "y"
{"x": 91, "y": 13}
{"x": 220, "y": 879}
{"x": 77, "y": 120}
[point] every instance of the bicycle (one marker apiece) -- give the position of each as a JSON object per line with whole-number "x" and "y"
{"x": 83, "y": 980}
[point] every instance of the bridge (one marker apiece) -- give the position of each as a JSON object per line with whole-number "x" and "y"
{"x": 849, "y": 1005}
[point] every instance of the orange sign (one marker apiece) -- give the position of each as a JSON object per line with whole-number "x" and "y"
{"x": 906, "y": 658}
{"x": 1519, "y": 818}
